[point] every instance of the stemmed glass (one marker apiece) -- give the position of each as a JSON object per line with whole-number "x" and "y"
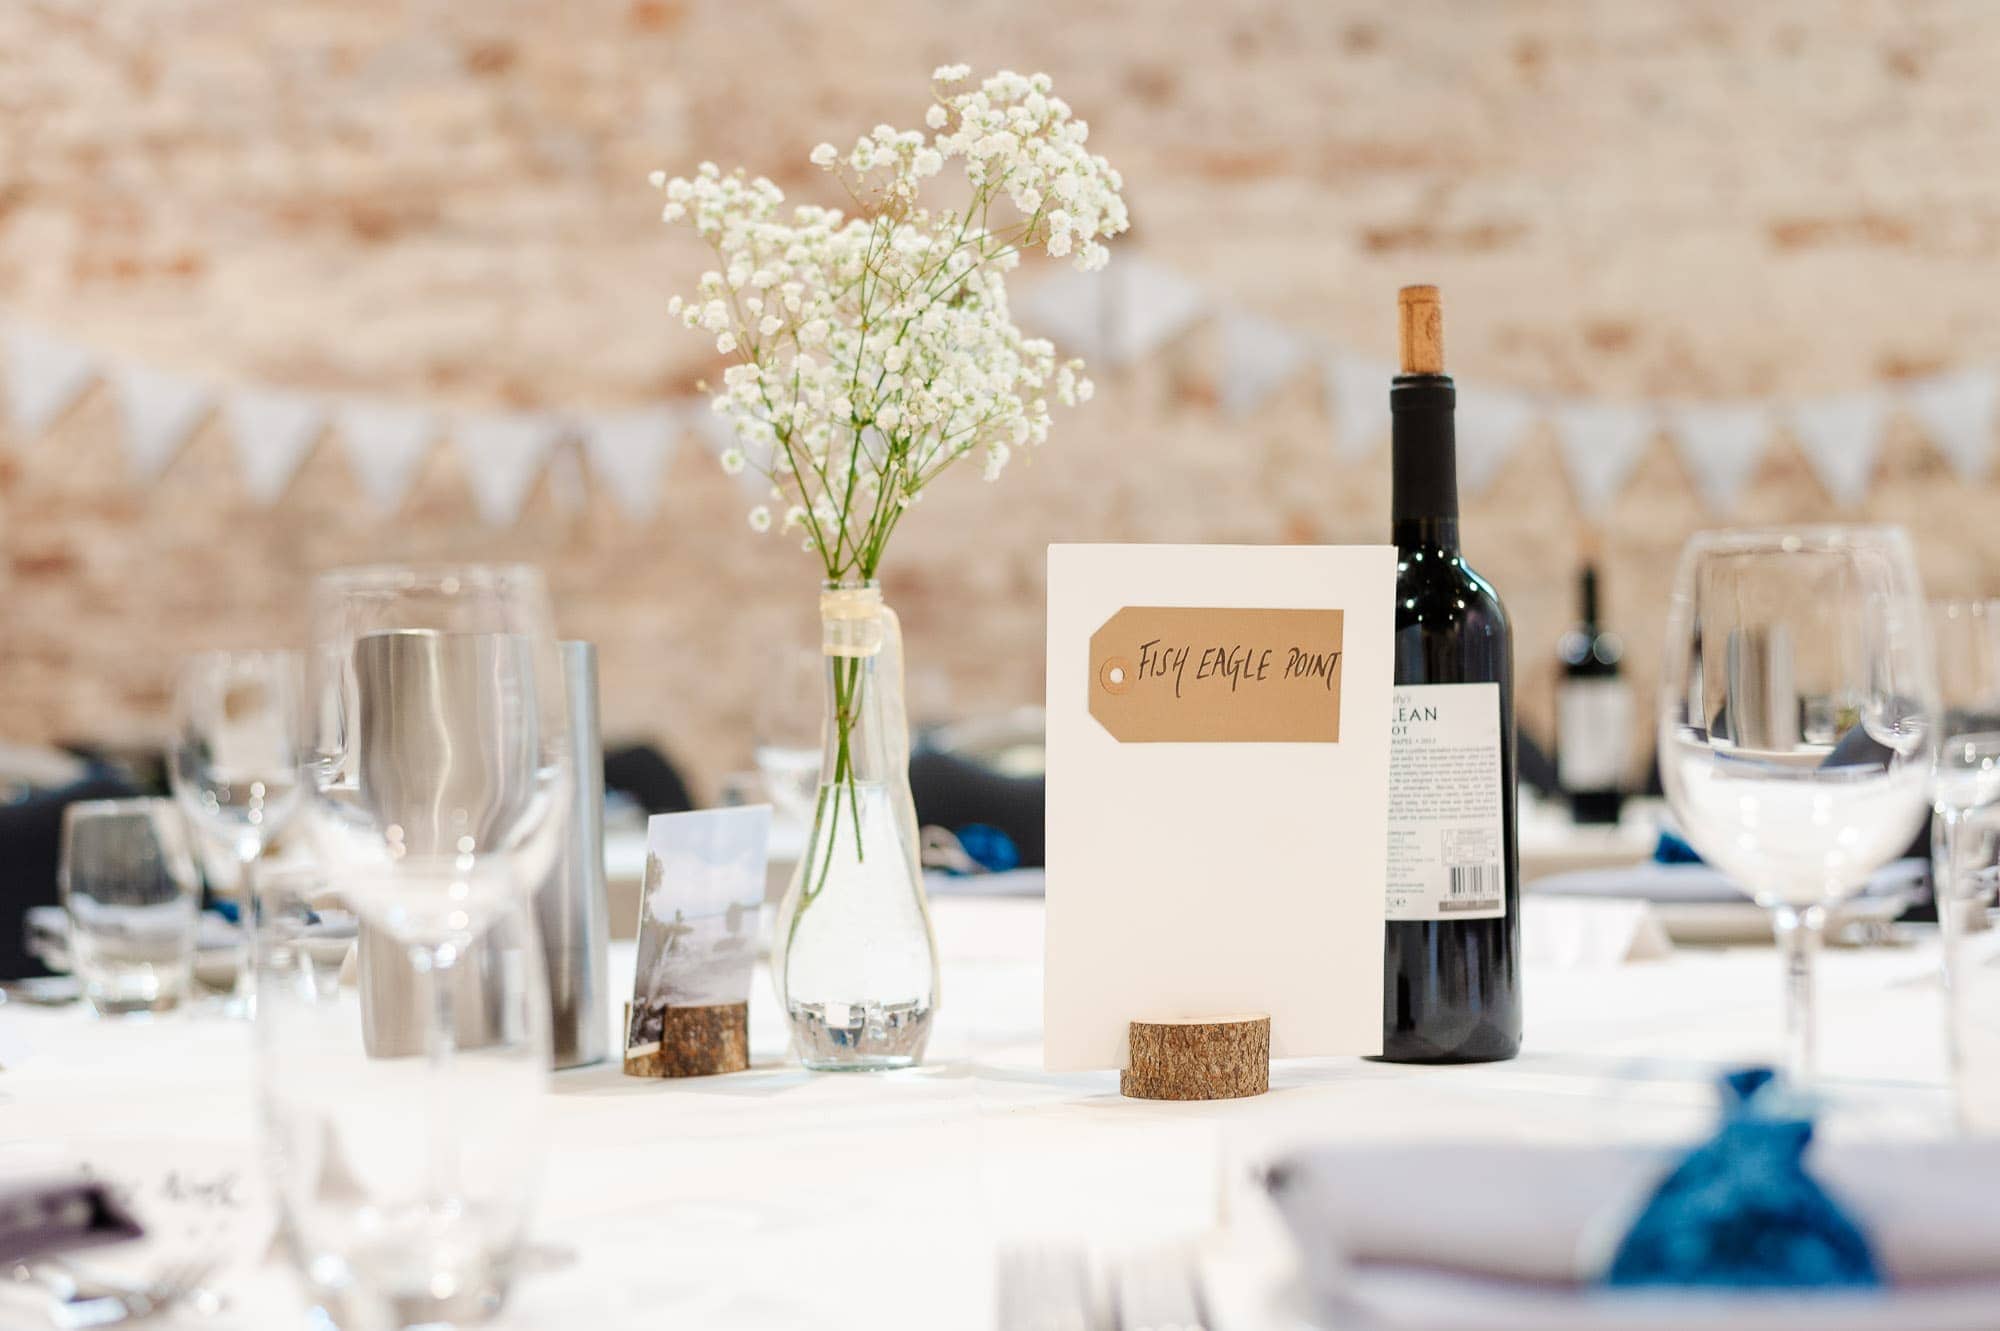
{"x": 788, "y": 720}
{"x": 1967, "y": 637}
{"x": 440, "y": 772}
{"x": 235, "y": 765}
{"x": 1798, "y": 708}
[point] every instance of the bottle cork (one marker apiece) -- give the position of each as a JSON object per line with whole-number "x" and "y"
{"x": 1420, "y": 330}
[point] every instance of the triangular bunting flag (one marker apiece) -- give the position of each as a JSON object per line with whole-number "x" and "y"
{"x": 1118, "y": 314}
{"x": 628, "y": 453}
{"x": 160, "y": 411}
{"x": 718, "y": 430}
{"x": 1257, "y": 357}
{"x": 1490, "y": 425}
{"x": 502, "y": 455}
{"x": 1600, "y": 444}
{"x": 1146, "y": 306}
{"x": 1068, "y": 307}
{"x": 1359, "y": 389}
{"x": 1956, "y": 411}
{"x": 384, "y": 443}
{"x": 1721, "y": 444}
{"x": 44, "y": 376}
{"x": 272, "y": 432}
{"x": 1841, "y": 437}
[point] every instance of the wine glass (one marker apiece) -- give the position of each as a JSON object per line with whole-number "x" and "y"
{"x": 1966, "y": 790}
{"x": 1798, "y": 710}
{"x": 235, "y": 765}
{"x": 788, "y": 722}
{"x": 1966, "y": 635}
{"x": 440, "y": 773}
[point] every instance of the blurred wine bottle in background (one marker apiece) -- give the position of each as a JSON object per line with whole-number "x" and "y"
{"x": 1593, "y": 713}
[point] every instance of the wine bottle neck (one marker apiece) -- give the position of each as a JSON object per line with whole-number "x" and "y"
{"x": 1423, "y": 501}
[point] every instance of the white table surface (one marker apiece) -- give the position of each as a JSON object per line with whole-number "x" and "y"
{"x": 778, "y": 1199}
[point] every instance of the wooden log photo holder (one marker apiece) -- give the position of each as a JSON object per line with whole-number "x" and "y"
{"x": 694, "y": 1042}
{"x": 1198, "y": 1058}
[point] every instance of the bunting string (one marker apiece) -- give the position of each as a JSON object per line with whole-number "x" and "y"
{"x": 1115, "y": 318}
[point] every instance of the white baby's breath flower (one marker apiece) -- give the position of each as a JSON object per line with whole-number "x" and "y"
{"x": 877, "y": 348}
{"x": 760, "y": 518}
{"x": 657, "y": 179}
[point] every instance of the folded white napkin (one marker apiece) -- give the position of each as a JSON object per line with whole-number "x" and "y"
{"x": 1685, "y": 884}
{"x": 1590, "y": 933}
{"x": 1536, "y": 1214}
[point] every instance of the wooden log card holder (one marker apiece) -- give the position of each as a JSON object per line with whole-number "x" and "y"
{"x": 1198, "y": 1058}
{"x": 694, "y": 1042}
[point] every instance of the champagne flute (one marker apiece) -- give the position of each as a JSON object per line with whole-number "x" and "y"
{"x": 440, "y": 771}
{"x": 1798, "y": 710}
{"x": 235, "y": 764}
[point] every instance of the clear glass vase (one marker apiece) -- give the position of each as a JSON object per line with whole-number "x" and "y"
{"x": 854, "y": 958}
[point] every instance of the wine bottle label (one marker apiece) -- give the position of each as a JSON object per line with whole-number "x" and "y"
{"x": 1446, "y": 852}
{"x": 1593, "y": 733}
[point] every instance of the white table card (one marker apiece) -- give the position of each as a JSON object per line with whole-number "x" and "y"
{"x": 1218, "y": 770}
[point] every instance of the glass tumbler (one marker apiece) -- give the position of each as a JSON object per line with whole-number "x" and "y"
{"x": 129, "y": 884}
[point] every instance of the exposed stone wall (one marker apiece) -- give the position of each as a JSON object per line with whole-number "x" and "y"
{"x": 448, "y": 203}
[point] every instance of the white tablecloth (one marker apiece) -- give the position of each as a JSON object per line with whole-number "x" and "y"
{"x": 777, "y": 1199}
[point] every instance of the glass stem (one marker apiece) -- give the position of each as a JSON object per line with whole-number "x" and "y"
{"x": 1798, "y": 935}
{"x": 434, "y": 963}
{"x": 1948, "y": 892}
{"x": 247, "y": 854}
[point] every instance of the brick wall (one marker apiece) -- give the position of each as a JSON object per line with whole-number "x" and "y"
{"x": 448, "y": 203}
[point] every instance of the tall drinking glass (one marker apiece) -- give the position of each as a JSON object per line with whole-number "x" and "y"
{"x": 1798, "y": 709}
{"x": 235, "y": 762}
{"x": 129, "y": 884}
{"x": 440, "y": 775}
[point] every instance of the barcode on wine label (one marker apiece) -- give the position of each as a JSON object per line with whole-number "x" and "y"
{"x": 1472, "y": 887}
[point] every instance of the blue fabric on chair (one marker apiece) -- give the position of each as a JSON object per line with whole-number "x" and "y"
{"x": 1741, "y": 1212}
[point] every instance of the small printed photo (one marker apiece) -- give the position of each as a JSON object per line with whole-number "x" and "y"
{"x": 697, "y": 913}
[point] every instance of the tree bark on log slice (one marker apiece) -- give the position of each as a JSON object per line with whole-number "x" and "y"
{"x": 694, "y": 1042}
{"x": 1214, "y": 1058}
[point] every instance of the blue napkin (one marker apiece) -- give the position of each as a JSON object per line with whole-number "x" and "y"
{"x": 1672, "y": 848}
{"x": 989, "y": 847}
{"x": 1740, "y": 1212}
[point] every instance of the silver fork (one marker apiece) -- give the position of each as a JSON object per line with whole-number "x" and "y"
{"x": 88, "y": 1305}
{"x": 1158, "y": 1291}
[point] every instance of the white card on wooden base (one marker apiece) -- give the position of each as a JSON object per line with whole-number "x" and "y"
{"x": 1191, "y": 872}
